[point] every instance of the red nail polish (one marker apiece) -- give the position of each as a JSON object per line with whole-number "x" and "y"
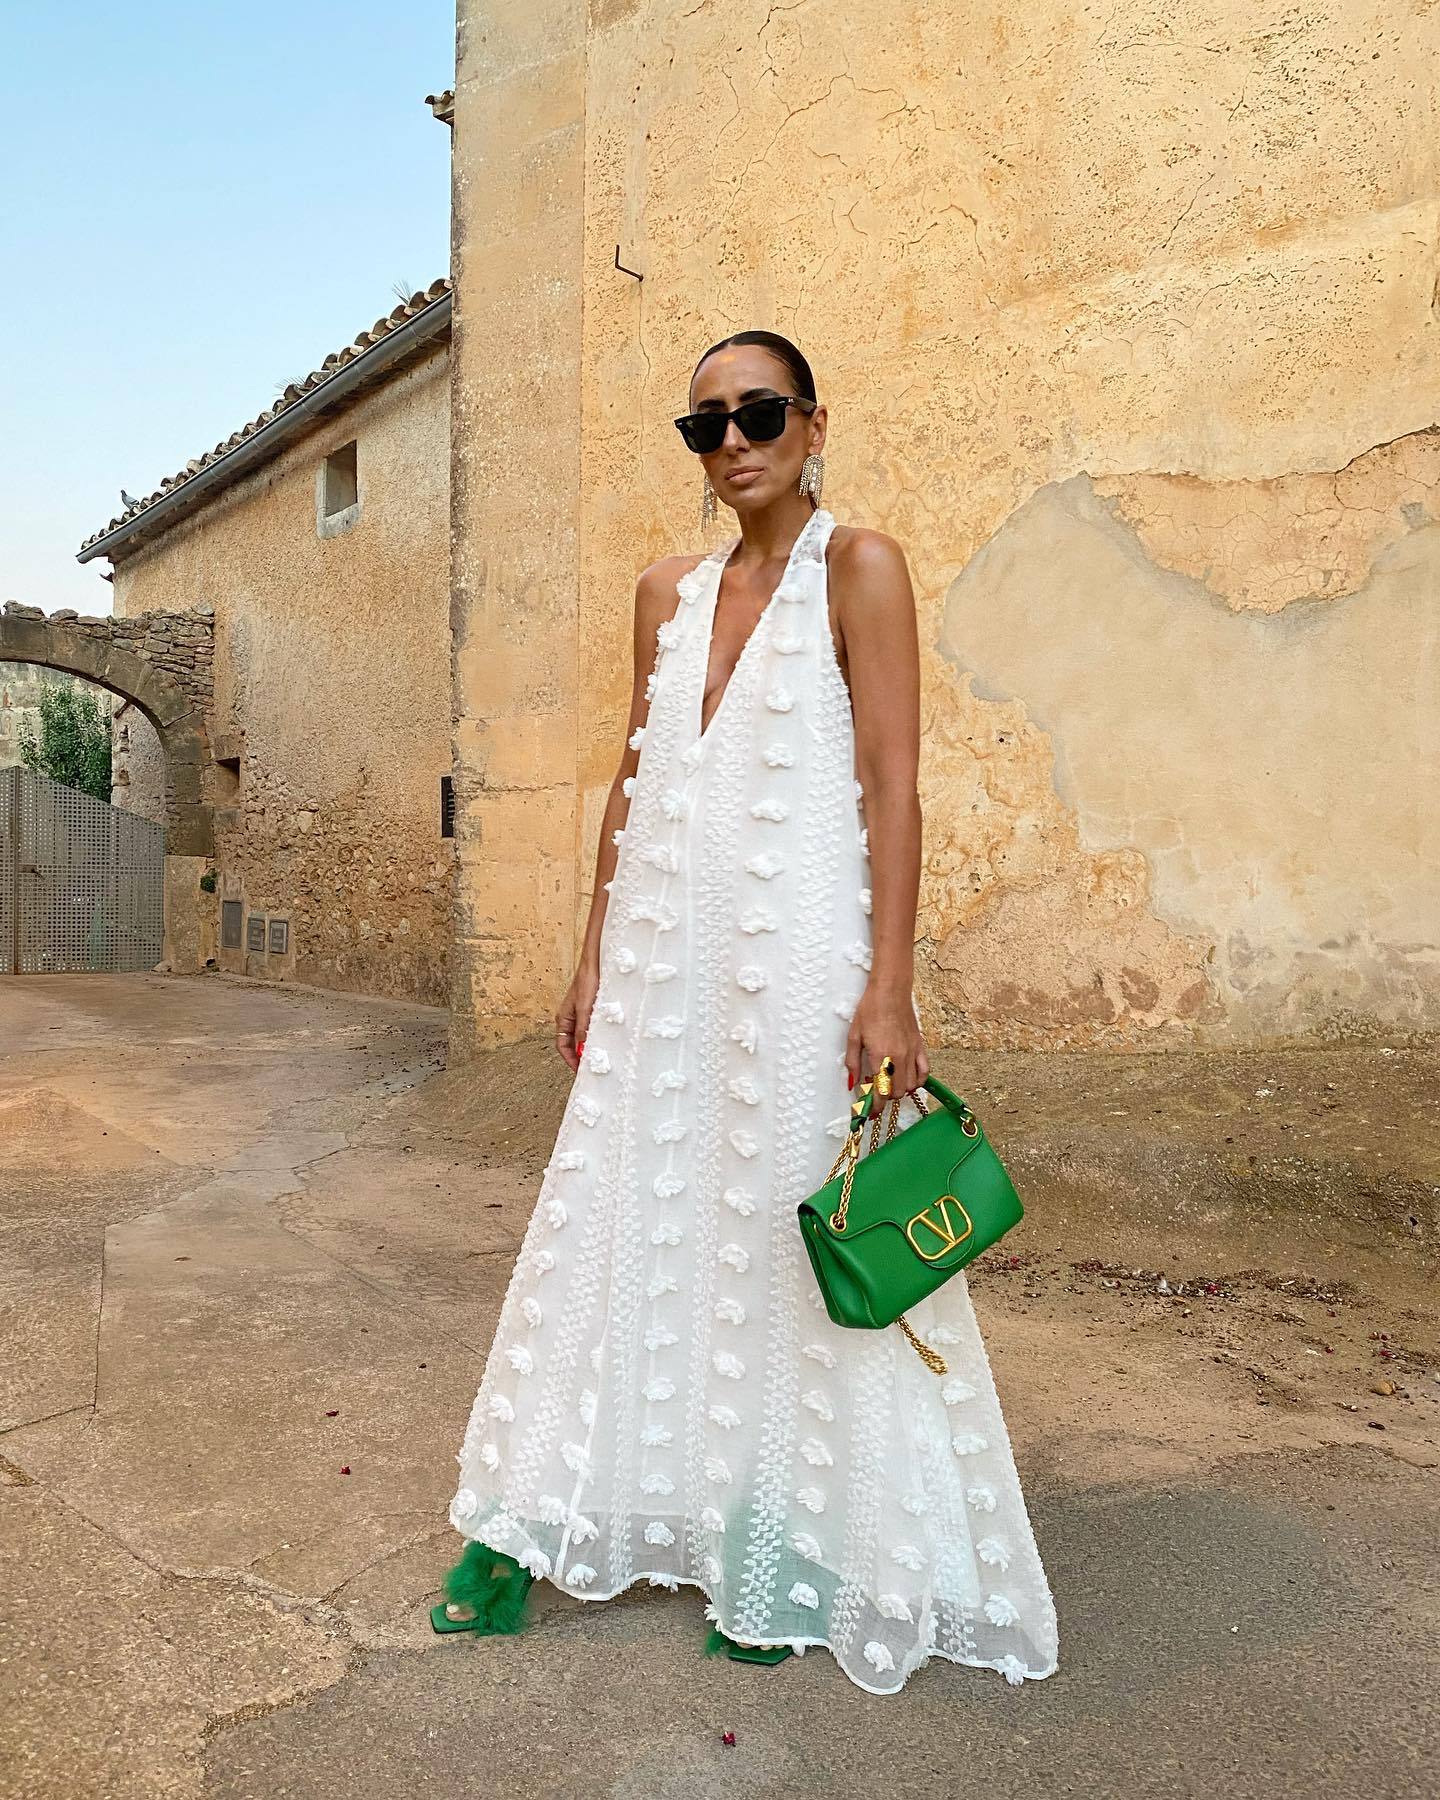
{"x": 850, "y": 1079}
{"x": 580, "y": 1048}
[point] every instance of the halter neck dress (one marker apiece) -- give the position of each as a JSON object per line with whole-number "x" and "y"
{"x": 665, "y": 1398}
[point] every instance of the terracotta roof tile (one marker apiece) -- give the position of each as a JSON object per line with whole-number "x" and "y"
{"x": 337, "y": 359}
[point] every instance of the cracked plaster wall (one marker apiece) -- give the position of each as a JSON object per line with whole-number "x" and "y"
{"x": 1186, "y": 252}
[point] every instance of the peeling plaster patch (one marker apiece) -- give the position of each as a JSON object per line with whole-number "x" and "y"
{"x": 1262, "y": 545}
{"x": 1262, "y": 766}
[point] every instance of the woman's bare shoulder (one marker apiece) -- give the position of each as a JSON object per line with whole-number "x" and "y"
{"x": 861, "y": 550}
{"x": 662, "y": 574}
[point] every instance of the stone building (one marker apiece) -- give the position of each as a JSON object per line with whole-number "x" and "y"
{"x": 318, "y": 538}
{"x": 1126, "y": 324}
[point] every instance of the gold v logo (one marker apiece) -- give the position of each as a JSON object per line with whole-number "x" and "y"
{"x": 943, "y": 1226}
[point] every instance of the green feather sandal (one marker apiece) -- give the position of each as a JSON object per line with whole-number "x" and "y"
{"x": 717, "y": 1644}
{"x": 485, "y": 1592}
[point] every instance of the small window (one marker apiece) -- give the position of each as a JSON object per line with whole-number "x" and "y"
{"x": 255, "y": 933}
{"x": 447, "y": 806}
{"x": 279, "y": 936}
{"x": 339, "y": 487}
{"x": 230, "y": 924}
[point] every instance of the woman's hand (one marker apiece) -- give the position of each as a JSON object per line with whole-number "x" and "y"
{"x": 572, "y": 1021}
{"x": 885, "y": 1025}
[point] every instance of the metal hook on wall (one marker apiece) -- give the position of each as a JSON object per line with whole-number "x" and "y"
{"x": 623, "y": 270}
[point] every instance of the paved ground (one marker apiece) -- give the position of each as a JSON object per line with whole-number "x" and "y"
{"x": 252, "y": 1242}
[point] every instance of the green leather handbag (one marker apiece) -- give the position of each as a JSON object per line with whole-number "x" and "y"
{"x": 891, "y": 1227}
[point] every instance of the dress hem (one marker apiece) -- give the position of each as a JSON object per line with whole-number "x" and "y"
{"x": 663, "y": 1578}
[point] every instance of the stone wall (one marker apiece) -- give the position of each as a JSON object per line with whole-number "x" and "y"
{"x": 332, "y": 692}
{"x": 1125, "y": 319}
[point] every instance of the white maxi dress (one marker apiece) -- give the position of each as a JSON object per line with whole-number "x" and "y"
{"x": 665, "y": 1398}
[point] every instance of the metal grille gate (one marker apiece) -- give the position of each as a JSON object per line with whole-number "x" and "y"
{"x": 82, "y": 884}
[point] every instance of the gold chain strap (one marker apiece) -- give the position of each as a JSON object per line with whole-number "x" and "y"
{"x": 850, "y": 1156}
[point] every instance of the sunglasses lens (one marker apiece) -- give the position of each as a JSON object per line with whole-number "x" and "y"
{"x": 761, "y": 420}
{"x": 703, "y": 432}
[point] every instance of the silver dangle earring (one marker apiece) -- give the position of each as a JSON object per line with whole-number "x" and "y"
{"x": 812, "y": 475}
{"x": 709, "y": 502}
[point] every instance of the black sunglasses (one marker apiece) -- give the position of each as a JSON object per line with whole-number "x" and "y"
{"x": 759, "y": 421}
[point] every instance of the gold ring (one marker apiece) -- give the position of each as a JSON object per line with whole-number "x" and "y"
{"x": 884, "y": 1085}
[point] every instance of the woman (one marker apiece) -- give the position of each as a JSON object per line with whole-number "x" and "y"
{"x": 666, "y": 1399}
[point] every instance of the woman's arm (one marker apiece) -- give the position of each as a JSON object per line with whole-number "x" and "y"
{"x": 875, "y": 615}
{"x": 655, "y": 601}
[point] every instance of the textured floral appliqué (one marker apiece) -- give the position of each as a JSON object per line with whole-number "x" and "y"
{"x": 780, "y": 700}
{"x": 662, "y": 856}
{"x": 672, "y": 803}
{"x": 669, "y": 1131}
{"x": 657, "y": 1532}
{"x": 569, "y": 1159}
{"x": 969, "y": 1443}
{"x": 717, "y": 1469}
{"x": 661, "y": 971}
{"x": 818, "y": 1404}
{"x": 656, "y": 1483}
{"x": 726, "y": 1363}
{"x": 735, "y": 1256}
{"x": 536, "y": 1561}
{"x": 859, "y": 953}
{"x": 625, "y": 959}
{"x": 743, "y": 1088}
{"x": 878, "y": 1657}
{"x": 981, "y": 1498}
{"x": 725, "y": 1417}
{"x": 774, "y": 810}
{"x": 808, "y": 1547}
{"x": 816, "y": 1454}
{"x": 908, "y": 1557}
{"x": 894, "y": 1606}
{"x": 597, "y": 1059}
{"x": 991, "y": 1550}
{"x": 757, "y": 920}
{"x": 586, "y": 1406}
{"x": 583, "y": 1530}
{"x": 659, "y": 1337}
{"x": 766, "y": 866}
{"x": 656, "y": 1437}
{"x": 668, "y": 1027}
{"x": 954, "y": 1392}
{"x": 659, "y": 1387}
{"x": 811, "y": 1498}
{"x": 465, "y": 1504}
{"x": 802, "y": 1594}
{"x": 555, "y": 1214}
{"x": 1001, "y": 1610}
{"x": 661, "y": 1284}
{"x": 1012, "y": 1669}
{"x": 574, "y": 1458}
{"x": 490, "y": 1456}
{"x": 731, "y": 1311}
{"x": 667, "y": 1185}
{"x": 530, "y": 1310}
{"x": 666, "y": 1232}
{"x": 588, "y": 1111}
{"x": 820, "y": 1353}
{"x": 740, "y": 1199}
{"x": 550, "y": 1509}
{"x": 579, "y": 1575}
{"x": 751, "y": 978}
{"x": 500, "y": 1408}
{"x": 637, "y": 737}
{"x": 744, "y": 1143}
{"x": 778, "y": 756}
{"x": 648, "y": 910}
{"x": 746, "y": 1033}
{"x": 712, "y": 1518}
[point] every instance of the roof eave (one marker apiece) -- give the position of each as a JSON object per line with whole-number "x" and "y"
{"x": 406, "y": 343}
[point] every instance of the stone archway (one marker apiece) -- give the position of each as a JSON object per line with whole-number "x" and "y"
{"x": 161, "y": 662}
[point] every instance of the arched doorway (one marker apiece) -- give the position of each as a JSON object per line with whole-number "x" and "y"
{"x": 120, "y": 655}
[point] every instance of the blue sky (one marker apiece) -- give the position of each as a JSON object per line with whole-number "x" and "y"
{"x": 203, "y": 202}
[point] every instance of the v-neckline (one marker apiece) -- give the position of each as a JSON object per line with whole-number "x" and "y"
{"x": 722, "y": 562}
